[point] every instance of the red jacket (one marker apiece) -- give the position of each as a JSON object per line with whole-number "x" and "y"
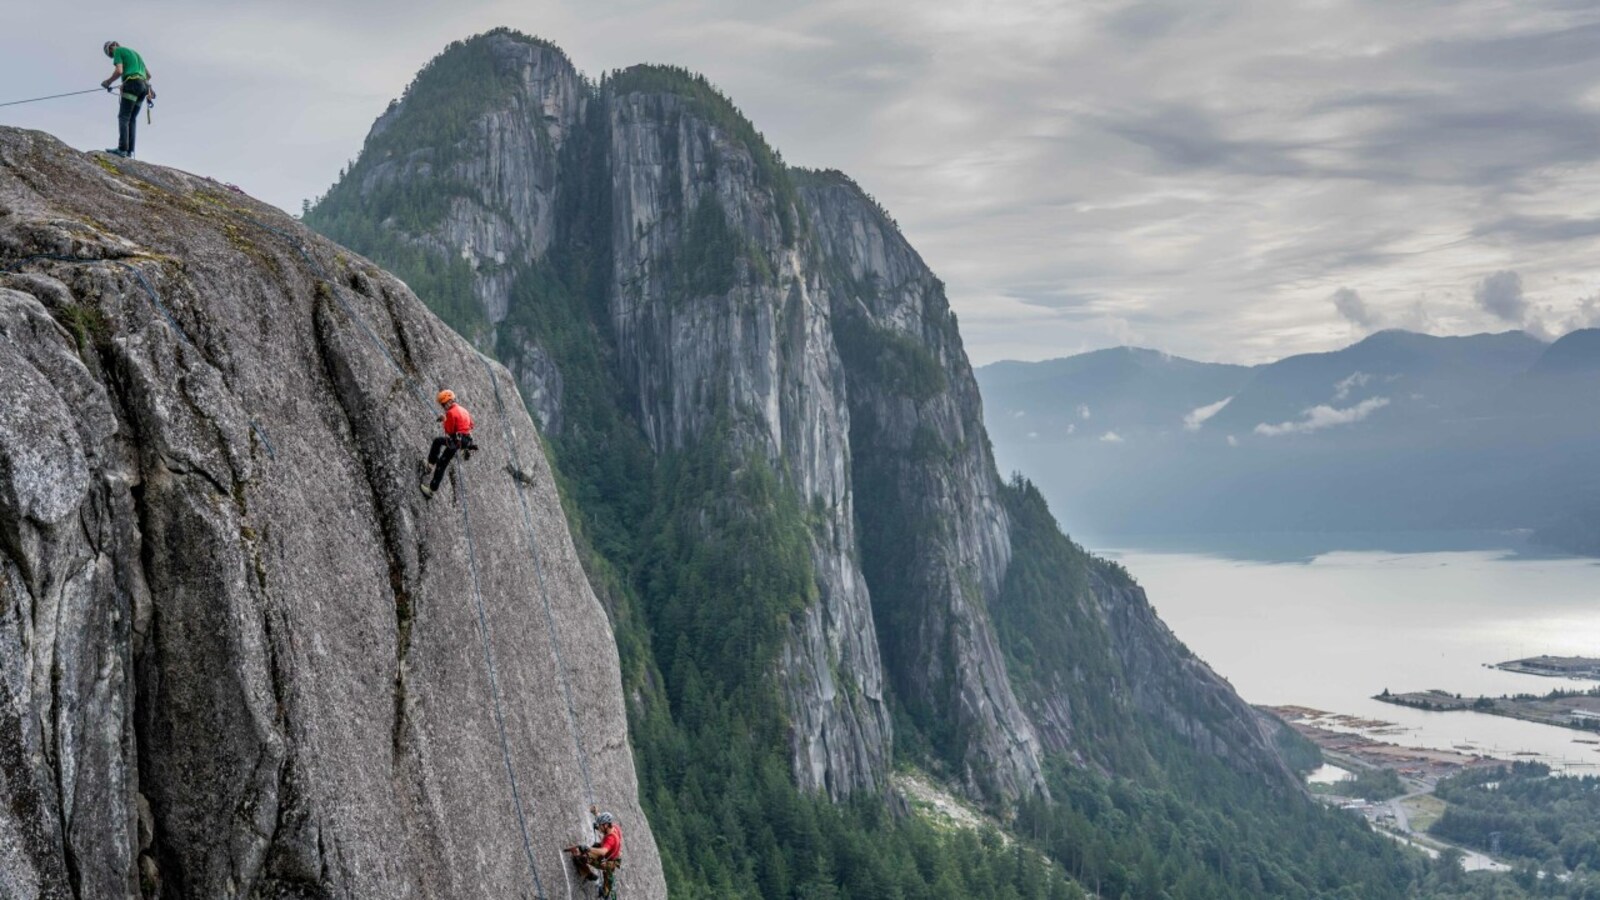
{"x": 611, "y": 844}
{"x": 457, "y": 420}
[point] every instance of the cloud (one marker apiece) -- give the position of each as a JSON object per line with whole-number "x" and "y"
{"x": 1541, "y": 228}
{"x": 1233, "y": 441}
{"x": 1587, "y": 315}
{"x": 1198, "y": 416}
{"x": 1342, "y": 389}
{"x": 1541, "y": 49}
{"x": 1183, "y": 139}
{"x": 1353, "y": 309}
{"x": 1212, "y": 177}
{"x": 1500, "y": 295}
{"x": 1111, "y": 437}
{"x": 1083, "y": 411}
{"x": 1319, "y": 417}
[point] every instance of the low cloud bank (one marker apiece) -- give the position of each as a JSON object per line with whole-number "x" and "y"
{"x": 1319, "y": 417}
{"x": 1199, "y": 415}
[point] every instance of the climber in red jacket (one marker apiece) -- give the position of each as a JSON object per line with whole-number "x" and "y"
{"x": 604, "y": 855}
{"x": 457, "y": 436}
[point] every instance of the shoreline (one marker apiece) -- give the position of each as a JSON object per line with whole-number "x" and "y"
{"x": 1574, "y": 711}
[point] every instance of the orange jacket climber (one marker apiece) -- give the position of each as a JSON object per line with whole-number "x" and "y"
{"x": 457, "y": 436}
{"x": 457, "y": 420}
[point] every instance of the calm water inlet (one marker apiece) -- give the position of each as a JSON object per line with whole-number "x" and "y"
{"x": 1330, "y": 628}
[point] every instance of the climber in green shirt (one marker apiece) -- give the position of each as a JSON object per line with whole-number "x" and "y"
{"x": 130, "y": 67}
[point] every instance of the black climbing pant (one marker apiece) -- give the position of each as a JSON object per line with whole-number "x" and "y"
{"x": 439, "y": 456}
{"x": 134, "y": 90}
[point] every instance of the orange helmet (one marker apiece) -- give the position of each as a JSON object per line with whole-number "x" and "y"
{"x": 446, "y": 396}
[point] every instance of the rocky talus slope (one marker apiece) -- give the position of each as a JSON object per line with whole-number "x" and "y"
{"x": 240, "y": 654}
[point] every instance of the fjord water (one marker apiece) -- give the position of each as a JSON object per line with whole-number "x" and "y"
{"x": 1326, "y": 622}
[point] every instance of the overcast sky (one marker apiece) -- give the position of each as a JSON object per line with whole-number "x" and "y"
{"x": 1232, "y": 181}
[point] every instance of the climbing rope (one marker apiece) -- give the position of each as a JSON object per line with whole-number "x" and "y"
{"x": 155, "y": 300}
{"x": 494, "y": 684}
{"x": 53, "y": 97}
{"x": 472, "y": 559}
{"x": 483, "y": 623}
{"x": 544, "y": 593}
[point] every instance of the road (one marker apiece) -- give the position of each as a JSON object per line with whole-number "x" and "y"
{"x": 1471, "y": 861}
{"x": 1402, "y": 820}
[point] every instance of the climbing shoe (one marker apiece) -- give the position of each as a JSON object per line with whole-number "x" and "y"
{"x": 122, "y": 153}
{"x": 426, "y": 491}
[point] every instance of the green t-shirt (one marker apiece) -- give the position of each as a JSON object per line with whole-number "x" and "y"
{"x": 132, "y": 64}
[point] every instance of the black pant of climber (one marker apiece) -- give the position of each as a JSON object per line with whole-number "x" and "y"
{"x": 134, "y": 90}
{"x": 439, "y": 456}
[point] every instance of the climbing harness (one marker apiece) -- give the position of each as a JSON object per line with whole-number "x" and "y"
{"x": 52, "y": 97}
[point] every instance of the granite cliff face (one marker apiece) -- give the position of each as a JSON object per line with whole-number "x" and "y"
{"x": 748, "y": 340}
{"x": 240, "y": 655}
{"x": 922, "y": 457}
{"x": 510, "y": 213}
{"x": 753, "y": 311}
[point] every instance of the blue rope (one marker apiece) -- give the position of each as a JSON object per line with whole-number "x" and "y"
{"x": 544, "y": 593}
{"x": 483, "y": 624}
{"x": 155, "y": 299}
{"x": 494, "y": 685}
{"x": 477, "y": 591}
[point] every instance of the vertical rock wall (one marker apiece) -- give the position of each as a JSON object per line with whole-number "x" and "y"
{"x": 937, "y": 534}
{"x": 753, "y": 344}
{"x": 243, "y": 656}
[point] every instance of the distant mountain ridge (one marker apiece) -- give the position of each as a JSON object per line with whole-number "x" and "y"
{"x": 1397, "y": 431}
{"x": 1128, "y": 386}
